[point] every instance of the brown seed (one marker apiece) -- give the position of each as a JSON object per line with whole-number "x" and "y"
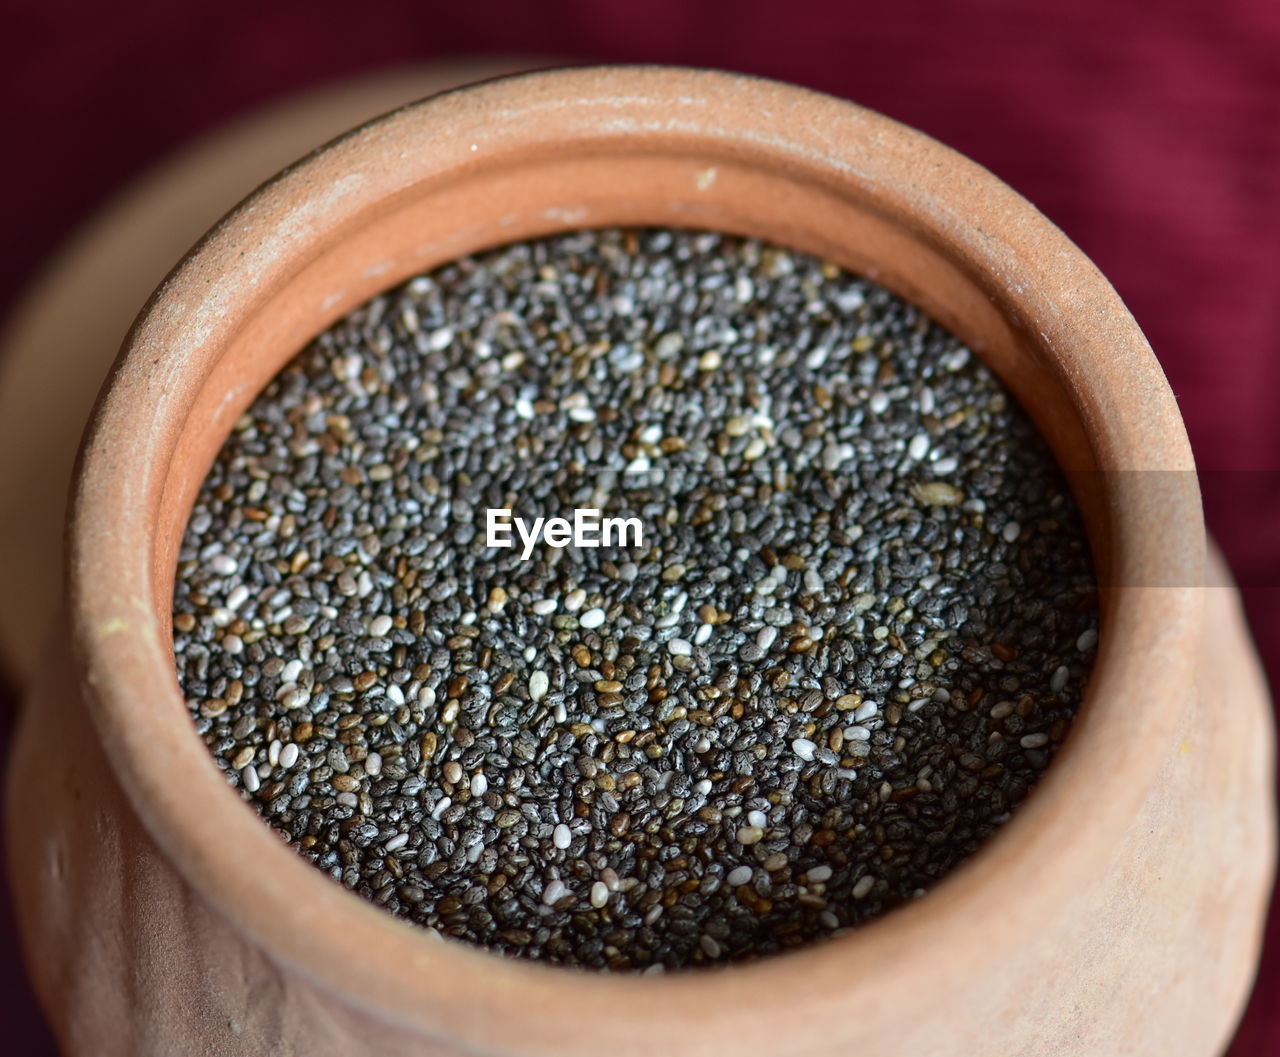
{"x": 937, "y": 493}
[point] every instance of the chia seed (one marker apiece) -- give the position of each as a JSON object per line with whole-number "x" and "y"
{"x": 856, "y": 633}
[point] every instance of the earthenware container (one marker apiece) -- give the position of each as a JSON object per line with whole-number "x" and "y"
{"x": 1119, "y": 912}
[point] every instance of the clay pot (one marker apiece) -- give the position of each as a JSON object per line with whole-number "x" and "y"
{"x": 1119, "y": 912}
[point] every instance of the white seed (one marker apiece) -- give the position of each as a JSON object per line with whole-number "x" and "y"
{"x": 561, "y": 836}
{"x": 739, "y": 875}
{"x": 709, "y": 946}
{"x": 1011, "y": 531}
{"x": 543, "y": 606}
{"x": 574, "y": 599}
{"x": 288, "y": 755}
{"x": 863, "y": 888}
{"x": 919, "y": 446}
{"x": 857, "y": 733}
{"x": 397, "y": 842}
{"x": 1088, "y": 640}
{"x": 680, "y": 647}
{"x": 757, "y": 818}
{"x": 804, "y": 748}
{"x": 379, "y": 626}
{"x": 592, "y": 618}
{"x": 750, "y": 835}
{"x": 223, "y": 564}
{"x": 1034, "y": 741}
{"x": 538, "y": 686}
{"x": 553, "y": 893}
{"x": 766, "y": 637}
{"x": 599, "y": 894}
{"x": 373, "y": 764}
{"x": 290, "y": 672}
{"x": 1058, "y": 681}
{"x": 249, "y": 776}
{"x": 818, "y": 874}
{"x": 702, "y": 634}
{"x": 479, "y": 784}
{"x": 866, "y": 710}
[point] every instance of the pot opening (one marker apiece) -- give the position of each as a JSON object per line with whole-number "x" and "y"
{"x": 911, "y": 266}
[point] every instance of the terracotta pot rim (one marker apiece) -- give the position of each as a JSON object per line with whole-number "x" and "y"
{"x": 298, "y": 916}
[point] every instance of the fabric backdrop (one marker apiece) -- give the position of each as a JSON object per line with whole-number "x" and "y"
{"x": 1149, "y": 131}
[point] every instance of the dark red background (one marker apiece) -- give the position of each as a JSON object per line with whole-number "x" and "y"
{"x": 1149, "y": 131}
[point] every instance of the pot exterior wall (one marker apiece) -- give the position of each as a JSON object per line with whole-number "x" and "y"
{"x": 126, "y": 959}
{"x": 1155, "y": 958}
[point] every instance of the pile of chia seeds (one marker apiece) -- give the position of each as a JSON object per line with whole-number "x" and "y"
{"x": 856, "y": 631}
